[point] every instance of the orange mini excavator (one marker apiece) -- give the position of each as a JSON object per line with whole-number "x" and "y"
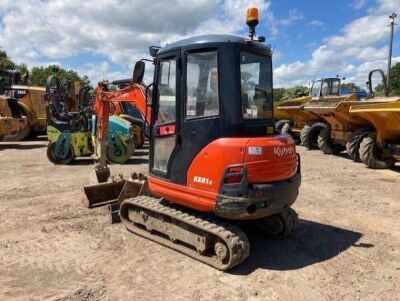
{"x": 214, "y": 156}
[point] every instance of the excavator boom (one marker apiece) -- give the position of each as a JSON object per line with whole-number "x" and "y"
{"x": 101, "y": 190}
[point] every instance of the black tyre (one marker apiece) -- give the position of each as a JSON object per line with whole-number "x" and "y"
{"x": 325, "y": 143}
{"x": 51, "y": 154}
{"x": 371, "y": 154}
{"x": 353, "y": 145}
{"x": 281, "y": 225}
{"x": 282, "y": 124}
{"x": 309, "y": 134}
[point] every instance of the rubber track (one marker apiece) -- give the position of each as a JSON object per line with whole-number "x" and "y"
{"x": 234, "y": 238}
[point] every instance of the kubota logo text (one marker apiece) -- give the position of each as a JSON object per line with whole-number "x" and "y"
{"x": 284, "y": 150}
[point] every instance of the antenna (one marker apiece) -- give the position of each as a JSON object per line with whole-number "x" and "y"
{"x": 392, "y": 21}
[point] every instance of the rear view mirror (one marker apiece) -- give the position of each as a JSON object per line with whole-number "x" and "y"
{"x": 138, "y": 72}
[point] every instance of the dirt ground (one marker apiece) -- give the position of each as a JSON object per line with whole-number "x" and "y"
{"x": 51, "y": 248}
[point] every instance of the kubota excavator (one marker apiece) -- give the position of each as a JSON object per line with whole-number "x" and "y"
{"x": 214, "y": 156}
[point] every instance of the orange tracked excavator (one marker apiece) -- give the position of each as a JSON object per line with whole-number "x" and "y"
{"x": 214, "y": 156}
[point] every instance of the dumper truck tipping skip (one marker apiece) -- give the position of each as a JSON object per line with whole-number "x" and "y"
{"x": 379, "y": 147}
{"x": 304, "y": 123}
{"x": 214, "y": 156}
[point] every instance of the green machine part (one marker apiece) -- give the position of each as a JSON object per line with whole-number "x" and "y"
{"x": 64, "y": 146}
{"x": 120, "y": 140}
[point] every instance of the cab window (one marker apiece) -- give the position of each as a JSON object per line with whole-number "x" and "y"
{"x": 167, "y": 91}
{"x": 202, "y": 94}
{"x": 256, "y": 86}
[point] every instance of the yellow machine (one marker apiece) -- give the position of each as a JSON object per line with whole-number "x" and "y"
{"x": 32, "y": 103}
{"x": 11, "y": 119}
{"x": 282, "y": 116}
{"x": 303, "y": 124}
{"x": 33, "y": 106}
{"x": 343, "y": 129}
{"x": 339, "y": 125}
{"x": 380, "y": 146}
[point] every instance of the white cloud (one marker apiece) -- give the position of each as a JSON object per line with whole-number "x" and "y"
{"x": 293, "y": 15}
{"x": 316, "y": 23}
{"x": 117, "y": 31}
{"x": 359, "y": 46}
{"x": 358, "y": 4}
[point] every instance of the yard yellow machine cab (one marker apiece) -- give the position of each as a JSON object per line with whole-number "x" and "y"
{"x": 214, "y": 157}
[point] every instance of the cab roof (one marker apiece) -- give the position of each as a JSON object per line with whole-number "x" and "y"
{"x": 211, "y": 39}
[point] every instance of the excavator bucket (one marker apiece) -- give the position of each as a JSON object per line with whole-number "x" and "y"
{"x": 113, "y": 191}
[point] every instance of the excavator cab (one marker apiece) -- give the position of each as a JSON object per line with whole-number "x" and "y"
{"x": 200, "y": 96}
{"x": 213, "y": 111}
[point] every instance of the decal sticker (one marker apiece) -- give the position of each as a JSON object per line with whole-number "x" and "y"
{"x": 202, "y": 180}
{"x": 255, "y": 150}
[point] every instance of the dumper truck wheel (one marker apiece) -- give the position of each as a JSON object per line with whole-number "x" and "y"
{"x": 51, "y": 154}
{"x": 353, "y": 145}
{"x": 309, "y": 134}
{"x": 325, "y": 143}
{"x": 282, "y": 126}
{"x": 371, "y": 153}
{"x": 281, "y": 225}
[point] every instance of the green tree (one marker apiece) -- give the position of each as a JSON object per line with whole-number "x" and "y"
{"x": 39, "y": 75}
{"x": 394, "y": 82}
{"x": 395, "y": 79}
{"x": 350, "y": 86}
{"x": 5, "y": 62}
{"x": 279, "y": 93}
{"x": 22, "y": 68}
{"x": 297, "y": 91}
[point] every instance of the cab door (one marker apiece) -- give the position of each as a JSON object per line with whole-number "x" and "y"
{"x": 164, "y": 130}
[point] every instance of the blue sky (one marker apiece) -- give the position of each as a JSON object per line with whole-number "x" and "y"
{"x": 103, "y": 39}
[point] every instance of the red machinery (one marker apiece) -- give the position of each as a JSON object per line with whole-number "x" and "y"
{"x": 214, "y": 156}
